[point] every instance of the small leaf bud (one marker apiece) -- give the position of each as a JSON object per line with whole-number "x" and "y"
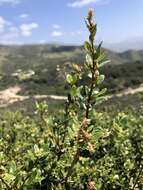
{"x": 90, "y": 14}
{"x": 97, "y": 73}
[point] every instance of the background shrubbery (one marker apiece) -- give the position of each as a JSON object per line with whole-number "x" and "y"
{"x": 29, "y": 157}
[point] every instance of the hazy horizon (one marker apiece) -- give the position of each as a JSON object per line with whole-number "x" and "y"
{"x": 117, "y": 47}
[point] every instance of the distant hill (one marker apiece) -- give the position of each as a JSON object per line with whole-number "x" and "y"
{"x": 39, "y": 68}
{"x": 135, "y": 43}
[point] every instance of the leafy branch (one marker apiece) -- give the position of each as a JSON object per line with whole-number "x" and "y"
{"x": 88, "y": 99}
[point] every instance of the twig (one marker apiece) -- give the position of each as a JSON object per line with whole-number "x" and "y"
{"x": 136, "y": 181}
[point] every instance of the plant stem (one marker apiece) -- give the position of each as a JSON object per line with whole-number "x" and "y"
{"x": 92, "y": 83}
{"x": 89, "y": 97}
{"x": 140, "y": 171}
{"x": 75, "y": 160}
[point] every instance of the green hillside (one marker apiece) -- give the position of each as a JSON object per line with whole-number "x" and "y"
{"x": 40, "y": 68}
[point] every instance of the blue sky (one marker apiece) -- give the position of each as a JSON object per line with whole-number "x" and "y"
{"x": 62, "y": 21}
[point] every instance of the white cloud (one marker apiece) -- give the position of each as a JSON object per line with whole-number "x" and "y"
{"x": 78, "y": 32}
{"x": 26, "y": 29}
{"x": 10, "y": 37}
{"x": 9, "y": 1}
{"x": 56, "y": 26}
{"x": 82, "y": 3}
{"x": 8, "y": 32}
{"x": 42, "y": 41}
{"x": 3, "y": 24}
{"x": 13, "y": 29}
{"x": 57, "y": 33}
{"x": 23, "y": 16}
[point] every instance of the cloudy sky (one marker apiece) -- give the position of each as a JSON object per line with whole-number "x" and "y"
{"x": 62, "y": 21}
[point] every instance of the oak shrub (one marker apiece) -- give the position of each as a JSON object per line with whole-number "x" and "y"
{"x": 78, "y": 148}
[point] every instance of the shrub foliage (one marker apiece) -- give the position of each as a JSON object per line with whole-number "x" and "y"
{"x": 78, "y": 148}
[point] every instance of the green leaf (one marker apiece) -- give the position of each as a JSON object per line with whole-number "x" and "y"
{"x": 12, "y": 167}
{"x": 98, "y": 51}
{"x": 71, "y": 79}
{"x": 104, "y": 63}
{"x": 32, "y": 177}
{"x": 93, "y": 33}
{"x": 74, "y": 91}
{"x": 100, "y": 79}
{"x": 89, "y": 59}
{"x": 100, "y": 99}
{"x": 87, "y": 46}
{"x": 98, "y": 133}
{"x": 9, "y": 177}
{"x": 103, "y": 91}
{"x": 36, "y": 148}
{"x": 90, "y": 75}
{"x": 95, "y": 92}
{"x": 101, "y": 57}
{"x": 18, "y": 179}
{"x": 76, "y": 67}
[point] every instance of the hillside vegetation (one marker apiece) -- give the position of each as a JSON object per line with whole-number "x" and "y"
{"x": 40, "y": 69}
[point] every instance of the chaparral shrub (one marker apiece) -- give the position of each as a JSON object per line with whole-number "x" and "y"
{"x": 78, "y": 148}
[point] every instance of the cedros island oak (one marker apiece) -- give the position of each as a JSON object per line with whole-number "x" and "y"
{"x": 78, "y": 148}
